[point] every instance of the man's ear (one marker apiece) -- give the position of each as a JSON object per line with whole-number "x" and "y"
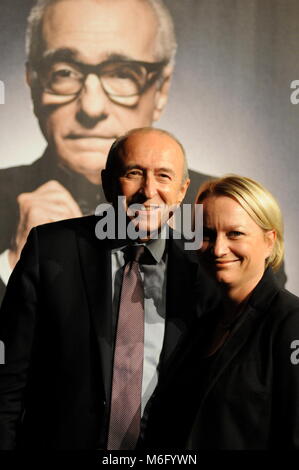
{"x": 29, "y": 75}
{"x": 162, "y": 92}
{"x": 183, "y": 189}
{"x": 30, "y": 78}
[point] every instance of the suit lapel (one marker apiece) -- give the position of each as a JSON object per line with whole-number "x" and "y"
{"x": 181, "y": 272}
{"x": 96, "y": 270}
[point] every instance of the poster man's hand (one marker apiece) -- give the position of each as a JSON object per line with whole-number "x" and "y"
{"x": 50, "y": 202}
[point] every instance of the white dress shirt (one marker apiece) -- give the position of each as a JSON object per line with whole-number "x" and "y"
{"x": 154, "y": 281}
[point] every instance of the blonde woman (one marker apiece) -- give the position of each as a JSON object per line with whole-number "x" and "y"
{"x": 238, "y": 382}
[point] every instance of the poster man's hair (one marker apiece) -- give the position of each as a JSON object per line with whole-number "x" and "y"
{"x": 166, "y": 44}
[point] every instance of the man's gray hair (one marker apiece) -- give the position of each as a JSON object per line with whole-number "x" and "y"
{"x": 166, "y": 44}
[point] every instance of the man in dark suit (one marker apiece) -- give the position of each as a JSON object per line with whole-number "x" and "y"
{"x": 96, "y": 69}
{"x": 61, "y": 313}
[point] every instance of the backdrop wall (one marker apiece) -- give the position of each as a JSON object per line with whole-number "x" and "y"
{"x": 229, "y": 101}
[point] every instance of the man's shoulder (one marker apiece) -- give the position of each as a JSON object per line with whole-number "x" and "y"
{"x": 20, "y": 169}
{"x": 196, "y": 180}
{"x": 61, "y": 239}
{"x": 85, "y": 224}
{"x": 199, "y": 177}
{"x": 21, "y": 178}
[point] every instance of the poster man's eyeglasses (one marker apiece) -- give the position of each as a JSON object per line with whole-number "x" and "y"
{"x": 124, "y": 81}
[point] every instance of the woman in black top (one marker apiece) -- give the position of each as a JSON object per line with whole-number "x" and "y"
{"x": 236, "y": 386}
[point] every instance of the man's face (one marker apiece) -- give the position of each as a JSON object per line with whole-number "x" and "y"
{"x": 80, "y": 129}
{"x": 150, "y": 173}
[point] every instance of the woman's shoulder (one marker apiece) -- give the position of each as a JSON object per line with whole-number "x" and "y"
{"x": 286, "y": 302}
{"x": 287, "y": 299}
{"x": 283, "y": 316}
{"x": 278, "y": 302}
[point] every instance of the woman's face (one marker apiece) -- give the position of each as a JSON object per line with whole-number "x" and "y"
{"x": 234, "y": 247}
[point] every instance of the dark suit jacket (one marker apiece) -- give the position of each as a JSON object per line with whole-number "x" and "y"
{"x": 250, "y": 398}
{"x": 27, "y": 178}
{"x": 56, "y": 323}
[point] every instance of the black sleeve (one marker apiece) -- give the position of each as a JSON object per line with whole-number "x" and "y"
{"x": 285, "y": 398}
{"x": 17, "y": 321}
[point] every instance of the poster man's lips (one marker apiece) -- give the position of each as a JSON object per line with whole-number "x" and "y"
{"x": 89, "y": 136}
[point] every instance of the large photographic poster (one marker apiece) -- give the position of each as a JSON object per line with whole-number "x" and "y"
{"x": 230, "y": 103}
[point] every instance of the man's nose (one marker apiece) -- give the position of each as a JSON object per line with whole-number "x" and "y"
{"x": 149, "y": 187}
{"x": 220, "y": 246}
{"x": 93, "y": 102}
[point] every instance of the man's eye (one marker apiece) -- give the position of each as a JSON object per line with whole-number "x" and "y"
{"x": 126, "y": 72}
{"x": 164, "y": 176}
{"x": 133, "y": 174}
{"x": 63, "y": 71}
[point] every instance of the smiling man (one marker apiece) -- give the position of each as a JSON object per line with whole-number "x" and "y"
{"x": 152, "y": 176}
{"x": 91, "y": 326}
{"x": 96, "y": 69}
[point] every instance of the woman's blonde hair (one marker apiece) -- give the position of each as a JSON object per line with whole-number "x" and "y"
{"x": 257, "y": 201}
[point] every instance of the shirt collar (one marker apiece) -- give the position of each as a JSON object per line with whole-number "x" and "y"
{"x": 156, "y": 246}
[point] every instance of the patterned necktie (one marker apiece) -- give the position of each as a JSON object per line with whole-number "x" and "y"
{"x": 125, "y": 413}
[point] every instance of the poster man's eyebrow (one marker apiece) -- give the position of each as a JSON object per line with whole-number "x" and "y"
{"x": 62, "y": 54}
{"x": 66, "y": 54}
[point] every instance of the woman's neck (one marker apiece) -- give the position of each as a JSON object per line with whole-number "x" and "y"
{"x": 237, "y": 294}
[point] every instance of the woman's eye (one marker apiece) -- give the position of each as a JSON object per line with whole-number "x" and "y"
{"x": 235, "y": 233}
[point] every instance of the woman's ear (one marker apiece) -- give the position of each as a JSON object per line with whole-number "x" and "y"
{"x": 270, "y": 238}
